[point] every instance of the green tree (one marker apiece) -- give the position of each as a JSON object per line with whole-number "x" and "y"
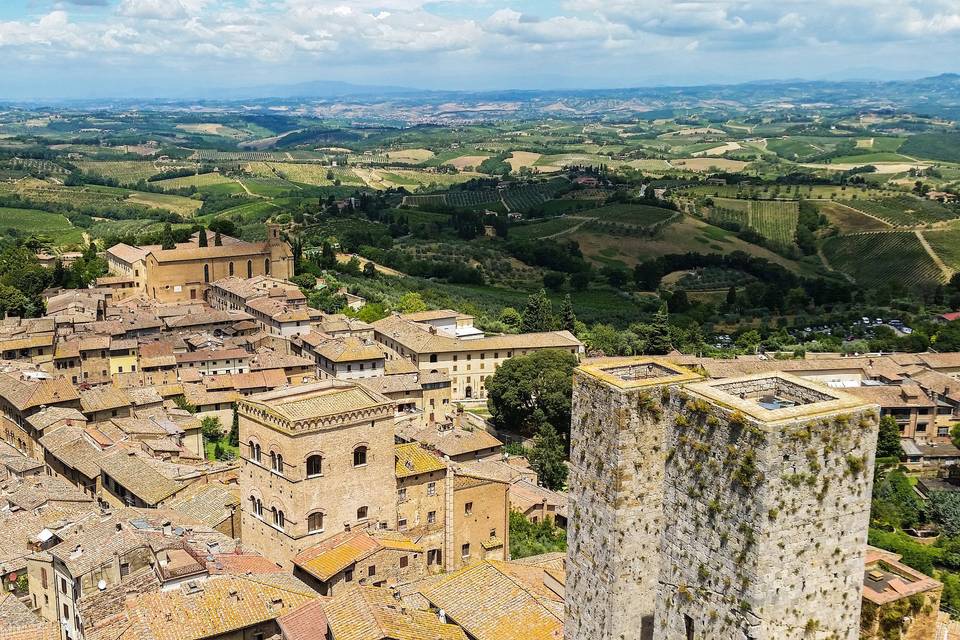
{"x": 369, "y": 270}
{"x": 202, "y": 238}
{"x": 732, "y": 297}
{"x": 526, "y": 391}
{"x": 211, "y": 429}
{"x": 167, "y": 240}
{"x": 217, "y": 240}
{"x": 511, "y": 317}
{"x": 895, "y": 504}
{"x": 944, "y": 509}
{"x": 538, "y": 314}
{"x": 658, "y": 334}
{"x": 548, "y": 457}
{"x": 411, "y": 302}
{"x": 568, "y": 317}
{"x": 235, "y": 428}
{"x": 554, "y": 280}
{"x": 13, "y": 302}
{"x": 531, "y": 539}
{"x": 888, "y": 441}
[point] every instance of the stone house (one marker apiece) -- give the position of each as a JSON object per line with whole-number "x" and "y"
{"x": 897, "y": 598}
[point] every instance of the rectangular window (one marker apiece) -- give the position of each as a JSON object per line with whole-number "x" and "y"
{"x": 402, "y": 494}
{"x": 348, "y": 575}
{"x": 465, "y": 550}
{"x": 402, "y": 524}
{"x": 431, "y": 488}
{"x": 372, "y": 571}
{"x": 431, "y": 517}
{"x": 433, "y": 557}
{"x": 404, "y": 561}
{"x": 63, "y": 586}
{"x": 468, "y": 509}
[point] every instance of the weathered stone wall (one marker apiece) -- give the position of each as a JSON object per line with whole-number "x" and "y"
{"x": 615, "y": 509}
{"x": 766, "y": 523}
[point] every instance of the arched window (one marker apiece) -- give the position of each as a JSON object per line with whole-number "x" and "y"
{"x": 256, "y": 507}
{"x": 249, "y": 268}
{"x": 273, "y": 461}
{"x": 278, "y": 519}
{"x": 360, "y": 456}
{"x": 277, "y": 462}
{"x": 362, "y": 513}
{"x": 206, "y": 273}
{"x": 314, "y": 466}
{"x": 231, "y": 268}
{"x": 315, "y": 522}
{"x": 266, "y": 266}
{"x": 255, "y": 452}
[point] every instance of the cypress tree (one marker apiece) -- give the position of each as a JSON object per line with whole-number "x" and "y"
{"x": 568, "y": 318}
{"x": 203, "y": 238}
{"x": 217, "y": 240}
{"x": 658, "y": 342}
{"x": 538, "y": 314}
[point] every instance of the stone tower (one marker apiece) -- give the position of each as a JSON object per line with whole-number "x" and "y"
{"x": 767, "y": 495}
{"x": 616, "y": 487}
{"x": 281, "y": 255}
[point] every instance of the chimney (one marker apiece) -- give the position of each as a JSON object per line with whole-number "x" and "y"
{"x": 119, "y": 526}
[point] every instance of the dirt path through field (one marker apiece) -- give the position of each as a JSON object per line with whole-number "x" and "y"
{"x": 947, "y": 271}
{"x": 841, "y": 204}
{"x": 582, "y": 222}
{"x": 828, "y": 267}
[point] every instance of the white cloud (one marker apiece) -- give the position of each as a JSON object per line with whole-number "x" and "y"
{"x": 152, "y": 9}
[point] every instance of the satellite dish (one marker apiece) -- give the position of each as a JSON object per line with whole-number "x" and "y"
{"x": 102, "y": 585}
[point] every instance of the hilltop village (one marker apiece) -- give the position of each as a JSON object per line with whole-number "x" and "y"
{"x": 190, "y": 452}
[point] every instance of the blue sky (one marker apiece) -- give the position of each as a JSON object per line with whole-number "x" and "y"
{"x": 81, "y": 48}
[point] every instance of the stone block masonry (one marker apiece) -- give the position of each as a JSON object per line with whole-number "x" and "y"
{"x": 767, "y": 487}
{"x": 620, "y": 409}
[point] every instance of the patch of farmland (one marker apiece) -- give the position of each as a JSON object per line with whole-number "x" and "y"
{"x": 520, "y": 159}
{"x": 848, "y": 220}
{"x": 462, "y": 162}
{"x": 878, "y": 259}
{"x": 30, "y": 221}
{"x": 544, "y": 228}
{"x": 775, "y": 220}
{"x": 201, "y": 180}
{"x": 409, "y": 156}
{"x": 214, "y": 129}
{"x": 186, "y": 207}
{"x": 946, "y": 244}
{"x": 713, "y": 279}
{"x": 651, "y": 164}
{"x": 709, "y": 164}
{"x": 906, "y": 211}
{"x": 124, "y": 171}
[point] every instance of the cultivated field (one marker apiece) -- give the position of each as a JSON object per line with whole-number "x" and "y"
{"x": 775, "y": 220}
{"x": 905, "y": 211}
{"x": 848, "y": 220}
{"x": 29, "y": 221}
{"x": 881, "y": 258}
{"x": 186, "y": 207}
{"x": 463, "y": 162}
{"x": 946, "y": 244}
{"x": 521, "y": 159}
{"x": 708, "y": 164}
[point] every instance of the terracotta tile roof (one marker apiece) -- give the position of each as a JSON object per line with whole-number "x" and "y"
{"x": 343, "y": 348}
{"x": 186, "y": 251}
{"x": 138, "y": 477}
{"x": 157, "y": 354}
{"x": 198, "y": 395}
{"x": 210, "y": 355}
{"x": 273, "y": 360}
{"x": 17, "y": 622}
{"x": 127, "y": 253}
{"x": 71, "y": 447}
{"x": 420, "y": 339}
{"x": 327, "y": 398}
{"x": 888, "y": 396}
{"x": 103, "y": 398}
{"x": 309, "y": 622}
{"x": 412, "y": 459}
{"x": 210, "y": 504}
{"x": 372, "y": 613}
{"x": 52, "y": 415}
{"x": 211, "y": 316}
{"x": 336, "y": 553}
{"x": 490, "y": 602}
{"x": 36, "y": 491}
{"x": 456, "y": 441}
{"x": 27, "y": 394}
{"x": 215, "y": 607}
{"x": 241, "y": 564}
{"x": 265, "y": 379}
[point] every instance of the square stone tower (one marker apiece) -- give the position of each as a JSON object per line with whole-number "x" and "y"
{"x": 767, "y": 503}
{"x": 617, "y": 451}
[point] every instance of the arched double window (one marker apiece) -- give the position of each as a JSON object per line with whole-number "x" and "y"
{"x": 314, "y": 466}
{"x": 255, "y": 452}
{"x": 360, "y": 456}
{"x": 256, "y": 506}
{"x": 315, "y": 522}
{"x": 278, "y": 519}
{"x": 276, "y": 462}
